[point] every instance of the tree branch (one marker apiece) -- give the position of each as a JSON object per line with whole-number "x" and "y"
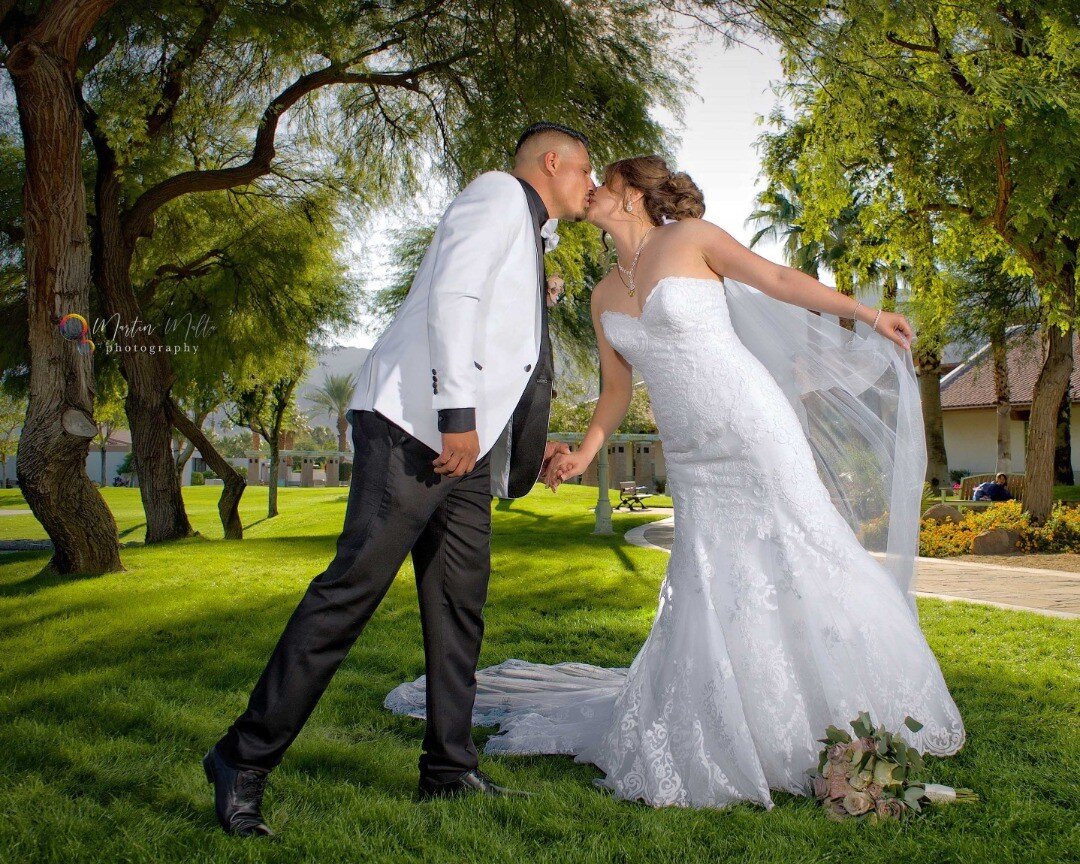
{"x": 180, "y": 66}
{"x": 137, "y": 217}
{"x": 201, "y": 266}
{"x": 61, "y": 30}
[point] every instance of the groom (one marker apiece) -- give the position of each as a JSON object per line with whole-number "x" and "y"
{"x": 452, "y": 407}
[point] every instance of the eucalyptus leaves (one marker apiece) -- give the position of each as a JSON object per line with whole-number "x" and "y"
{"x": 875, "y": 775}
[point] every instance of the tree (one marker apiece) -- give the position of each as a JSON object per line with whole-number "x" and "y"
{"x": 262, "y": 404}
{"x": 197, "y": 406}
{"x": 12, "y": 414}
{"x": 333, "y": 396}
{"x": 368, "y": 100}
{"x": 869, "y": 243}
{"x": 998, "y": 308}
{"x": 108, "y": 416}
{"x": 965, "y": 114}
{"x": 42, "y": 61}
{"x": 639, "y": 418}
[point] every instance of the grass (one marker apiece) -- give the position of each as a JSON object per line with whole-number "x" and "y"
{"x": 112, "y": 687}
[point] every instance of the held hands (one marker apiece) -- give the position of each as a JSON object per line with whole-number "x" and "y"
{"x": 552, "y": 450}
{"x": 459, "y": 452}
{"x": 565, "y": 467}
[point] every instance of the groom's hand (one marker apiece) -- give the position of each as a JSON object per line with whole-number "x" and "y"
{"x": 459, "y": 452}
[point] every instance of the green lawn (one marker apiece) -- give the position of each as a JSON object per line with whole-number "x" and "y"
{"x": 111, "y": 689}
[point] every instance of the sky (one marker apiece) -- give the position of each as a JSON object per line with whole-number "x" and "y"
{"x": 717, "y": 145}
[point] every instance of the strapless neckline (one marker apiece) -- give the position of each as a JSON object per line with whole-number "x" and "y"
{"x": 663, "y": 280}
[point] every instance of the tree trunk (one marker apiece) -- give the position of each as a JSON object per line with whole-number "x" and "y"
{"x": 1063, "y": 473}
{"x": 144, "y": 366}
{"x": 188, "y": 449}
{"x": 342, "y": 433}
{"x": 235, "y": 483}
{"x": 928, "y": 365}
{"x": 151, "y": 439}
{"x": 103, "y": 471}
{"x": 1050, "y": 387}
{"x": 59, "y": 425}
{"x": 275, "y": 466}
{"x": 1002, "y": 400}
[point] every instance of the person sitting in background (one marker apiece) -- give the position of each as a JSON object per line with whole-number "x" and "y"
{"x": 995, "y": 490}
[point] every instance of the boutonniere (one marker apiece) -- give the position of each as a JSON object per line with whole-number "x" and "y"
{"x": 549, "y": 231}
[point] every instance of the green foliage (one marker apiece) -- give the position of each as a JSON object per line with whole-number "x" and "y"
{"x": 266, "y": 402}
{"x": 12, "y": 414}
{"x": 334, "y": 394}
{"x": 639, "y": 419}
{"x": 948, "y": 124}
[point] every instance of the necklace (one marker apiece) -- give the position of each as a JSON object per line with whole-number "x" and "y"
{"x": 624, "y": 274}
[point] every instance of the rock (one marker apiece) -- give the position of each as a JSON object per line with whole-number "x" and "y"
{"x": 996, "y": 541}
{"x": 943, "y": 513}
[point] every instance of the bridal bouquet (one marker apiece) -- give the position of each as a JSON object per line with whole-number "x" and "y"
{"x": 875, "y": 774}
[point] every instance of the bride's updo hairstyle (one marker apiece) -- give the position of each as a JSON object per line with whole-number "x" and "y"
{"x": 667, "y": 193}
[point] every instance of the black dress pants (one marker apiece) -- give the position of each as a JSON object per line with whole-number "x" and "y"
{"x": 397, "y": 505}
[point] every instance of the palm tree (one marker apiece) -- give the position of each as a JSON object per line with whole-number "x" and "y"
{"x": 779, "y": 213}
{"x": 333, "y": 396}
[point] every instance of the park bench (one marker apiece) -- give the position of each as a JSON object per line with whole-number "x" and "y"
{"x": 1013, "y": 482}
{"x": 633, "y": 497}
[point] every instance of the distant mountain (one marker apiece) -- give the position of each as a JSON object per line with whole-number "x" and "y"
{"x": 338, "y": 360}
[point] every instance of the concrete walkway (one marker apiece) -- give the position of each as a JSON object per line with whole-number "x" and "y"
{"x": 1048, "y": 592}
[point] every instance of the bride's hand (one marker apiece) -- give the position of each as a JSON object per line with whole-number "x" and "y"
{"x": 895, "y": 327}
{"x": 564, "y": 466}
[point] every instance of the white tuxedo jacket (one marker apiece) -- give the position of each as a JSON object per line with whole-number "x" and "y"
{"x": 468, "y": 333}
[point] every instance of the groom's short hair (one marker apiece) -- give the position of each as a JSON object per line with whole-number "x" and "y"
{"x": 544, "y": 127}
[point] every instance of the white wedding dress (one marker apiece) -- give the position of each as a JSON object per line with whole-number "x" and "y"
{"x": 773, "y": 622}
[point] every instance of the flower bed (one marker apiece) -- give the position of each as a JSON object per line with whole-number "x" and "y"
{"x": 1060, "y": 533}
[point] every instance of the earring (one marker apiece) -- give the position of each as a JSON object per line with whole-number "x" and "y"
{"x": 629, "y": 207}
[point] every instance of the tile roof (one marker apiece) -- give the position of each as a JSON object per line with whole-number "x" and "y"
{"x": 971, "y": 384}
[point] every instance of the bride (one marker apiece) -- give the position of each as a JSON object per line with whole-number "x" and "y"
{"x": 793, "y": 448}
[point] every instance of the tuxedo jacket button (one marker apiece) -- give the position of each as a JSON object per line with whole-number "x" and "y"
{"x": 528, "y": 367}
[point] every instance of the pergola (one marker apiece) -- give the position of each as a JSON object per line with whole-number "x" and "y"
{"x": 334, "y": 458}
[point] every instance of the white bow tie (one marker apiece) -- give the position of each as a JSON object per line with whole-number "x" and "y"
{"x": 549, "y": 233}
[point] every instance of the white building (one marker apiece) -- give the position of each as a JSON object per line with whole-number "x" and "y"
{"x": 968, "y": 413}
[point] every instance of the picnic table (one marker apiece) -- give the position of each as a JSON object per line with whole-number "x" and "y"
{"x": 633, "y": 497}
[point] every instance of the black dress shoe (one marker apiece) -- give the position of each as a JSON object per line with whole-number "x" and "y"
{"x": 238, "y": 794}
{"x": 474, "y": 782}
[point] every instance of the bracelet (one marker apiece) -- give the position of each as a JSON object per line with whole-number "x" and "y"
{"x": 856, "y": 309}
{"x": 876, "y": 319}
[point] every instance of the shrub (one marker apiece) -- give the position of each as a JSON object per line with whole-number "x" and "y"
{"x": 197, "y": 478}
{"x": 943, "y": 539}
{"x": 1060, "y": 533}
